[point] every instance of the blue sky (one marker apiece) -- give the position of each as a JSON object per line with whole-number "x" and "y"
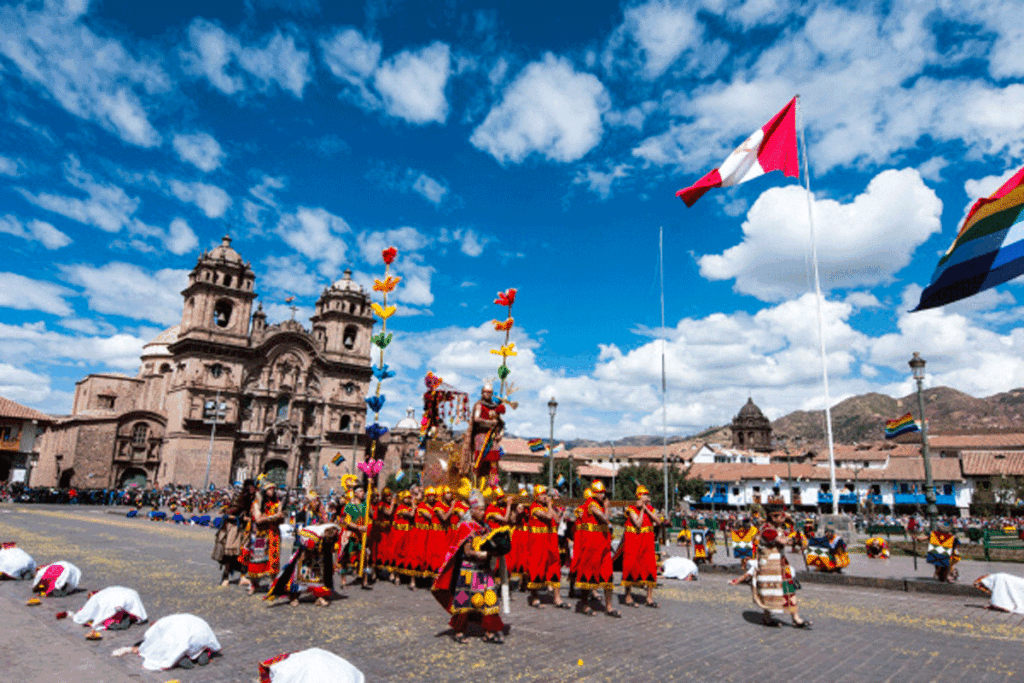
{"x": 535, "y": 146}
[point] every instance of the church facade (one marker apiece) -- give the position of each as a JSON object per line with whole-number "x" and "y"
{"x": 223, "y": 396}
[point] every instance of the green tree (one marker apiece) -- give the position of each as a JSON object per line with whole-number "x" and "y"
{"x": 403, "y": 484}
{"x": 568, "y": 469}
{"x": 679, "y": 484}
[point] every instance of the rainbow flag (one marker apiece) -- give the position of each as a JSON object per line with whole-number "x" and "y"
{"x": 536, "y": 445}
{"x": 988, "y": 250}
{"x": 338, "y": 458}
{"x": 901, "y": 425}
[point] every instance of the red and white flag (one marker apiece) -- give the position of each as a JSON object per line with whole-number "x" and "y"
{"x": 771, "y": 148}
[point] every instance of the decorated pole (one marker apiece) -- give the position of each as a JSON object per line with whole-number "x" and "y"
{"x": 375, "y": 431}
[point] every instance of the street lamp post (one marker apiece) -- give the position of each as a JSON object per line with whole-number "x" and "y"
{"x": 552, "y": 407}
{"x": 917, "y": 365}
{"x": 214, "y": 412}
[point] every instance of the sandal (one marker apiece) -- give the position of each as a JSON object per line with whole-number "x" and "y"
{"x": 613, "y": 613}
{"x": 631, "y": 603}
{"x": 585, "y": 609}
{"x": 494, "y": 638}
{"x": 653, "y": 605}
{"x": 459, "y": 638}
{"x": 771, "y": 621}
{"x": 562, "y": 605}
{"x": 535, "y": 603}
{"x": 803, "y": 623}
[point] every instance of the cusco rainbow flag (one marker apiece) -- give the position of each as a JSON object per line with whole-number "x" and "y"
{"x": 901, "y": 425}
{"x": 988, "y": 251}
{"x": 536, "y": 445}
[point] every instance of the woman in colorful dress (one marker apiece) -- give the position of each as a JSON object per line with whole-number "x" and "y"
{"x": 639, "y": 561}
{"x": 262, "y": 554}
{"x": 771, "y": 576}
{"x": 465, "y": 585}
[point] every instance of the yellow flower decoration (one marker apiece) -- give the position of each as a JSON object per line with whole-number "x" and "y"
{"x": 477, "y": 600}
{"x": 387, "y": 285}
{"x": 349, "y": 481}
{"x": 490, "y": 598}
{"x": 507, "y": 350}
{"x": 383, "y": 313}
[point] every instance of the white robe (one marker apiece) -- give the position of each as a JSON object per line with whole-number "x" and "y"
{"x": 15, "y": 563}
{"x": 679, "y": 568}
{"x": 173, "y": 637}
{"x": 69, "y": 577}
{"x": 1007, "y": 592}
{"x": 315, "y": 666}
{"x": 107, "y": 603}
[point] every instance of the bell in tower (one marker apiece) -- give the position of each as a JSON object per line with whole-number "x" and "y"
{"x": 219, "y": 296}
{"x": 343, "y": 322}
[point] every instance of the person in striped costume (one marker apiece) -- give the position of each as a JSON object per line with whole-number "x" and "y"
{"x": 743, "y": 541}
{"x": 771, "y": 576}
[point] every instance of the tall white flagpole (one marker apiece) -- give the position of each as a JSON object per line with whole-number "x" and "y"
{"x": 818, "y": 302}
{"x": 664, "y": 409}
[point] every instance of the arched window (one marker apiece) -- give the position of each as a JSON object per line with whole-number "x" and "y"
{"x": 139, "y": 433}
{"x": 222, "y": 313}
{"x": 349, "y": 340}
{"x": 345, "y": 423}
{"x": 282, "y": 407}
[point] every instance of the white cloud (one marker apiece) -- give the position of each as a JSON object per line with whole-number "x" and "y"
{"x": 432, "y": 190}
{"x": 212, "y": 200}
{"x": 658, "y": 32}
{"x": 108, "y": 207}
{"x": 33, "y": 343}
{"x": 350, "y": 56}
{"x": 35, "y": 230}
{"x": 224, "y": 61}
{"x": 406, "y": 240}
{"x": 289, "y": 274}
{"x": 600, "y": 182}
{"x": 472, "y": 244}
{"x": 91, "y": 77}
{"x": 180, "y": 237}
{"x": 9, "y": 166}
{"x": 199, "y": 149}
{"x": 26, "y": 294}
{"x": 22, "y": 385}
{"x": 265, "y": 190}
{"x": 860, "y": 243}
{"x": 412, "y": 84}
{"x": 315, "y": 233}
{"x": 127, "y": 290}
{"x": 551, "y": 109}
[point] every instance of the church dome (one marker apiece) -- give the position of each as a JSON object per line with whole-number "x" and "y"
{"x": 224, "y": 252}
{"x": 408, "y": 422}
{"x": 750, "y": 410}
{"x": 157, "y": 346}
{"x": 347, "y": 284}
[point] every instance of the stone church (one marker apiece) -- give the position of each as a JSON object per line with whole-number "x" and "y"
{"x": 224, "y": 396}
{"x": 751, "y": 429}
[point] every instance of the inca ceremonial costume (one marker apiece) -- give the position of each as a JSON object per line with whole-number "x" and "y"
{"x": 262, "y": 553}
{"x": 743, "y": 543}
{"x": 437, "y": 538}
{"x": 401, "y": 530}
{"x": 311, "y": 568}
{"x": 592, "y": 550}
{"x": 466, "y": 587}
{"x": 420, "y": 534}
{"x": 942, "y": 550}
{"x": 774, "y": 587}
{"x": 639, "y": 561}
{"x": 542, "y": 564}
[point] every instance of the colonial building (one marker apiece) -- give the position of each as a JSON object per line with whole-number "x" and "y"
{"x": 20, "y": 427}
{"x": 224, "y": 396}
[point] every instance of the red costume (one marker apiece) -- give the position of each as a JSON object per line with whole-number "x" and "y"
{"x": 592, "y": 549}
{"x": 639, "y": 562}
{"x": 459, "y": 510}
{"x": 401, "y": 531}
{"x": 542, "y": 565}
{"x": 380, "y": 538}
{"x": 464, "y": 587}
{"x": 437, "y": 538}
{"x": 419, "y": 547}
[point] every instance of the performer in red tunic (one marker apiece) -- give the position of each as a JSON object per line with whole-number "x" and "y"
{"x": 401, "y": 529}
{"x": 592, "y": 552}
{"x": 382, "y": 546}
{"x": 639, "y": 562}
{"x": 499, "y": 511}
{"x": 457, "y": 510}
{"x": 543, "y": 566}
{"x": 465, "y": 584}
{"x": 420, "y": 547}
{"x": 437, "y": 535}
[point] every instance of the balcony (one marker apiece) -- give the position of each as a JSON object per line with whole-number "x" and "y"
{"x": 875, "y": 498}
{"x": 908, "y": 498}
{"x": 824, "y": 498}
{"x": 718, "y": 499}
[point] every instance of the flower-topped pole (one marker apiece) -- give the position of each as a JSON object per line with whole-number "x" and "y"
{"x": 506, "y": 298}
{"x": 375, "y": 431}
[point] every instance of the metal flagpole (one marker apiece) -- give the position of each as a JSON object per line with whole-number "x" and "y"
{"x": 818, "y": 301}
{"x": 664, "y": 410}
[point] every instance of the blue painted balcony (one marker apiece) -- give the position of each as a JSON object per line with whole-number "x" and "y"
{"x": 824, "y": 498}
{"x": 875, "y": 499}
{"x": 848, "y": 498}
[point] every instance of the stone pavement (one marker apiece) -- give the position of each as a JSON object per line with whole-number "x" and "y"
{"x": 705, "y": 630}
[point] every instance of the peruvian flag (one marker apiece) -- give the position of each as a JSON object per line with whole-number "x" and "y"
{"x": 770, "y": 148}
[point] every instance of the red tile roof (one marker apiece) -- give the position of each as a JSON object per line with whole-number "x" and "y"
{"x": 990, "y": 464}
{"x": 10, "y": 409}
{"x": 975, "y": 442}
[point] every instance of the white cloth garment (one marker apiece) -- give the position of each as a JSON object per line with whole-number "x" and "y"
{"x": 15, "y": 563}
{"x": 107, "y": 603}
{"x": 65, "y": 582}
{"x": 1007, "y": 592}
{"x": 175, "y": 636}
{"x": 679, "y": 568}
{"x": 315, "y": 666}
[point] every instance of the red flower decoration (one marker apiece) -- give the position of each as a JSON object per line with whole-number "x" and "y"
{"x": 389, "y": 255}
{"x": 506, "y": 298}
